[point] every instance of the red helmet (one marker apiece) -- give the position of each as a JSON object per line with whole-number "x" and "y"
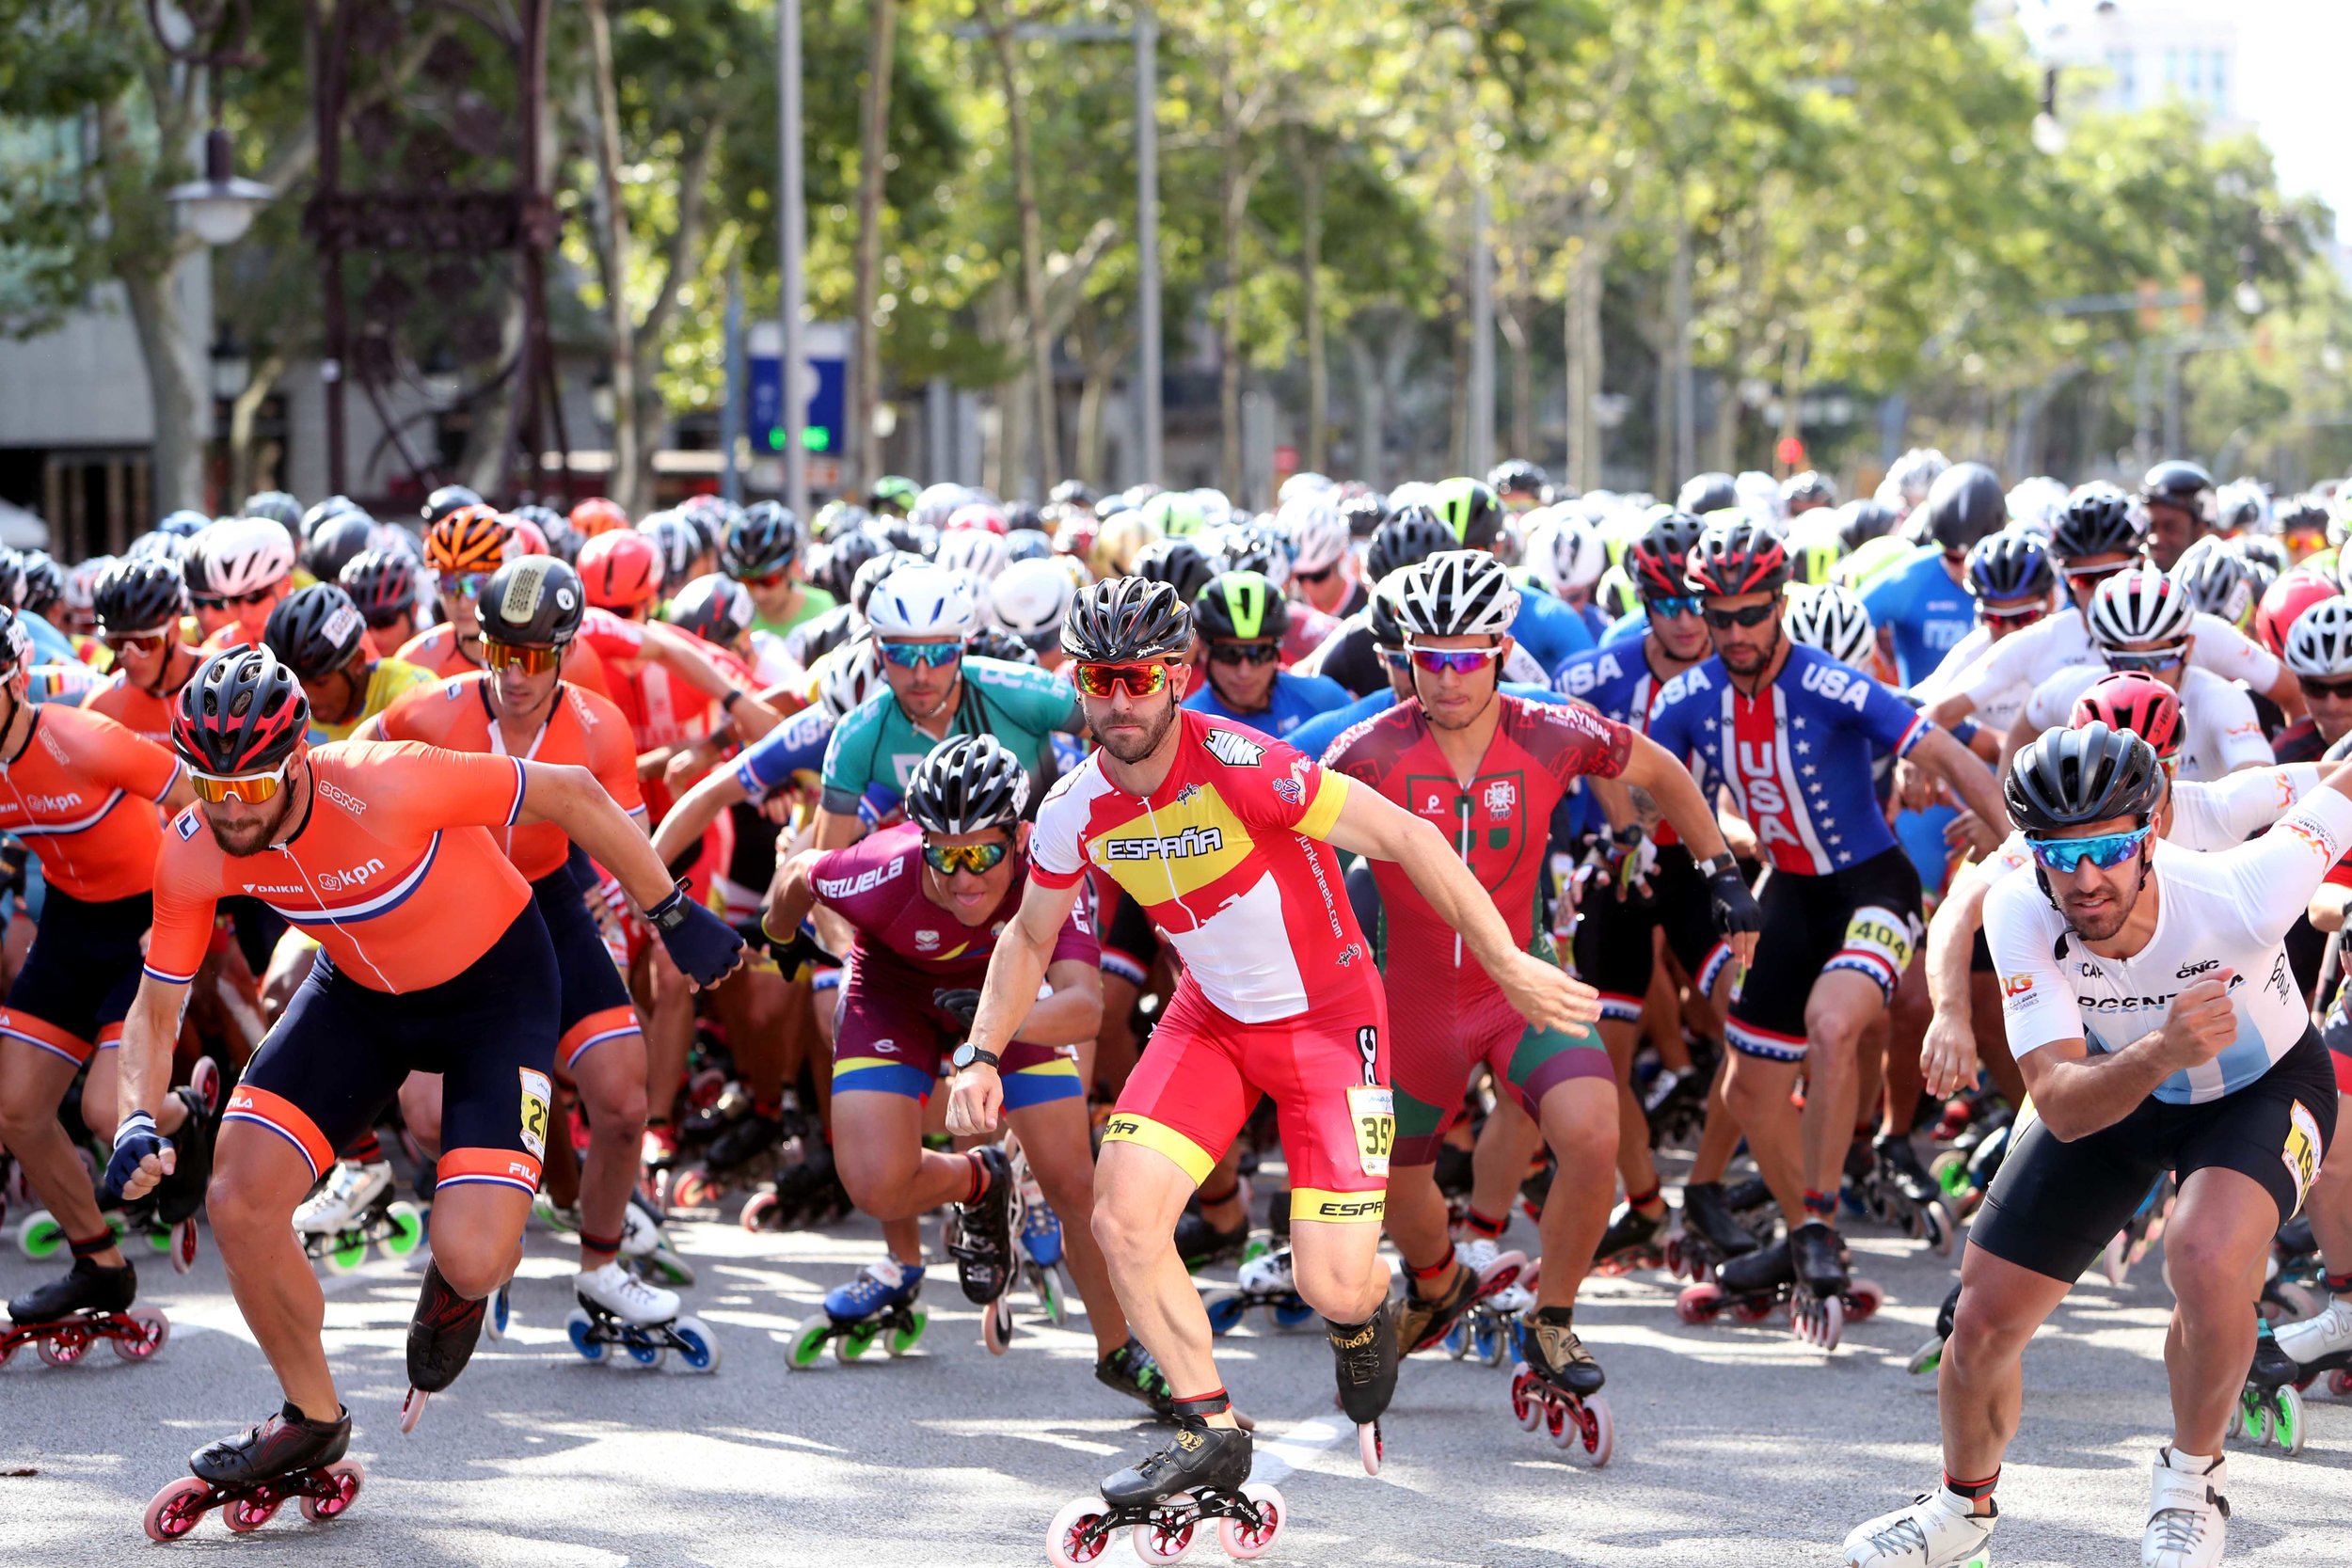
{"x": 240, "y": 712}
{"x": 2135, "y": 701}
{"x": 525, "y": 537}
{"x": 597, "y": 516}
{"x": 2283, "y": 602}
{"x": 1737, "y": 555}
{"x": 621, "y": 569}
{"x": 979, "y": 515}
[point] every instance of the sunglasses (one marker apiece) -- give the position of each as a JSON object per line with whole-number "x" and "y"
{"x": 1457, "y": 662}
{"x": 1754, "y": 615}
{"x": 2091, "y": 577}
{"x": 774, "y": 580}
{"x": 948, "y": 859}
{"x": 1673, "y": 607}
{"x": 2015, "y": 617}
{"x": 135, "y": 641}
{"x": 909, "y": 655}
{"x": 471, "y": 585}
{"x": 511, "y": 656}
{"x": 2105, "y": 851}
{"x": 1137, "y": 680}
{"x": 2154, "y": 659}
{"x": 1323, "y": 576}
{"x": 224, "y": 601}
{"x": 2334, "y": 689}
{"x": 1397, "y": 658}
{"x": 251, "y": 788}
{"x": 1243, "y": 653}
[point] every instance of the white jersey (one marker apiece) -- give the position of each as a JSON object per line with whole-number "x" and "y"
{"x": 2204, "y": 815}
{"x": 2009, "y": 668}
{"x": 2220, "y": 732}
{"x": 2221, "y": 912}
{"x": 1998, "y": 711}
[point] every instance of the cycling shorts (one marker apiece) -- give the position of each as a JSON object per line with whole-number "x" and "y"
{"x": 1863, "y": 919}
{"x": 1614, "y": 953}
{"x": 594, "y": 1005}
{"x": 2337, "y": 1032}
{"x": 1326, "y": 1069}
{"x": 2056, "y": 1204}
{"x": 336, "y": 1056}
{"x": 80, "y": 975}
{"x": 890, "y": 1037}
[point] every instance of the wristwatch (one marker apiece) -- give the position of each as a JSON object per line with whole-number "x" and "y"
{"x": 670, "y": 914}
{"x": 967, "y": 1053}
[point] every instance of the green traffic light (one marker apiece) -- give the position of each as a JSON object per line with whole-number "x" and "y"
{"x": 816, "y": 439}
{"x": 775, "y": 440}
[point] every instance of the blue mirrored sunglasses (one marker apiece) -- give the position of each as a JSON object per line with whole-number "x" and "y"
{"x": 1672, "y": 608}
{"x": 908, "y": 654}
{"x": 2105, "y": 851}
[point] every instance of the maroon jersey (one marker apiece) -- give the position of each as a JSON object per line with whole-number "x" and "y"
{"x": 877, "y": 886}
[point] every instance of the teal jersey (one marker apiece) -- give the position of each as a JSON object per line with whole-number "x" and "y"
{"x": 879, "y": 748}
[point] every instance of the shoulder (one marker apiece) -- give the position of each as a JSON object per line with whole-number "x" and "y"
{"x": 1700, "y": 680}
{"x": 999, "y": 677}
{"x": 1071, "y": 797}
{"x": 1378, "y": 735}
{"x": 2017, "y": 904}
{"x": 1320, "y": 691}
{"x": 1234, "y": 746}
{"x": 873, "y": 860}
{"x": 428, "y": 647}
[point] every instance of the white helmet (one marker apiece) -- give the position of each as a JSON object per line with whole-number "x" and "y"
{"x": 1318, "y": 533}
{"x": 1571, "y": 555}
{"x": 937, "y": 503}
{"x": 1030, "y": 600}
{"x": 2219, "y": 579}
{"x": 2141, "y": 605}
{"x": 2319, "y": 645}
{"x": 2034, "y": 503}
{"x": 1455, "y": 593}
{"x": 921, "y": 601}
{"x": 1250, "y": 545}
{"x": 848, "y": 677}
{"x": 1911, "y": 476}
{"x": 244, "y": 554}
{"x": 2244, "y": 506}
{"x": 1832, "y": 619}
{"x": 1299, "y": 487}
{"x": 1760, "y": 492}
{"x": 973, "y": 549}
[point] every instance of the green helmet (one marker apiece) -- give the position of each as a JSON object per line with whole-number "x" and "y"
{"x": 1469, "y": 508}
{"x": 1240, "y": 606}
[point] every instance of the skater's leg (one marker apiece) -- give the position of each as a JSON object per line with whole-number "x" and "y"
{"x": 2214, "y": 1253}
{"x": 669, "y": 1033}
{"x": 1907, "y": 1026}
{"x": 1980, "y": 1387}
{"x": 611, "y": 1076}
{"x": 1339, "y": 1268}
{"x": 2329, "y": 1204}
{"x": 1229, "y": 1212}
{"x": 1054, "y": 1135}
{"x": 1720, "y": 1134}
{"x": 98, "y": 1097}
{"x": 1506, "y": 1145}
{"x": 1757, "y": 1091}
{"x": 32, "y": 1081}
{"x": 420, "y": 1108}
{"x": 1579, "y": 1120}
{"x": 878, "y": 1149}
{"x": 1634, "y": 1165}
{"x": 1139, "y": 1194}
{"x": 1416, "y": 1222}
{"x": 478, "y": 1235}
{"x": 258, "y": 1178}
{"x": 1843, "y": 1003}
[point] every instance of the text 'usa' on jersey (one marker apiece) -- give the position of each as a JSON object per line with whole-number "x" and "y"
{"x": 1797, "y": 756}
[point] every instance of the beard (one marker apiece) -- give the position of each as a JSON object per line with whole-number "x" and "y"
{"x": 245, "y": 838}
{"x": 1145, "y": 744}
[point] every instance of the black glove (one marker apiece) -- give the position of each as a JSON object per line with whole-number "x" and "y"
{"x": 1735, "y": 907}
{"x": 704, "y": 946}
{"x": 959, "y": 1003}
{"x": 135, "y": 1140}
{"x": 796, "y": 955}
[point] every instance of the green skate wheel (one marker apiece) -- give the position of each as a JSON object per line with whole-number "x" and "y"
{"x": 668, "y": 1267}
{"x": 904, "y": 1340}
{"x": 1049, "y": 1296}
{"x": 115, "y": 1222}
{"x": 808, "y": 1342}
{"x": 159, "y": 1240}
{"x": 856, "y": 1342}
{"x": 349, "y": 1251}
{"x": 40, "y": 1236}
{"x": 407, "y": 1230}
{"x": 1255, "y": 1248}
{"x": 2287, "y": 1420}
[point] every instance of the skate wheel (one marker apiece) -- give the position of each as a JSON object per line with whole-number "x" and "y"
{"x": 1049, "y": 1296}
{"x": 642, "y": 1352}
{"x": 2340, "y": 1382}
{"x": 1926, "y": 1358}
{"x": 1225, "y": 1309}
{"x": 855, "y": 1341}
{"x": 1526, "y": 1408}
{"x": 1243, "y": 1542}
{"x": 1368, "y": 1446}
{"x": 204, "y": 1078}
{"x": 696, "y": 1348}
{"x": 1941, "y": 1228}
{"x": 40, "y": 1236}
{"x": 1599, "y": 1430}
{"x": 808, "y": 1342}
{"x": 183, "y": 1238}
{"x": 177, "y": 1508}
{"x": 1864, "y": 1297}
{"x": 902, "y": 1338}
{"x": 243, "y": 1515}
{"x": 1291, "y": 1314}
{"x": 1458, "y": 1340}
{"x": 1076, "y": 1536}
{"x": 1827, "y": 1322}
{"x": 1493, "y": 1341}
{"x": 152, "y": 1328}
{"x": 343, "y": 1480}
{"x": 1753, "y": 1309}
{"x": 346, "y": 1253}
{"x": 583, "y": 1329}
{"x": 996, "y": 1327}
{"x": 1699, "y": 1303}
{"x": 1161, "y": 1540}
{"x": 2286, "y": 1424}
{"x": 407, "y": 1229}
{"x": 694, "y": 1190}
{"x": 759, "y": 1212}
{"x": 2237, "y": 1417}
{"x": 412, "y": 1409}
{"x": 63, "y": 1344}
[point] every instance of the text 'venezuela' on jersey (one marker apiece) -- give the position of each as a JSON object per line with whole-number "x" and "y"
{"x": 64, "y": 796}
{"x": 876, "y": 885}
{"x": 1227, "y": 858}
{"x": 390, "y": 867}
{"x": 1797, "y": 756}
{"x": 583, "y": 729}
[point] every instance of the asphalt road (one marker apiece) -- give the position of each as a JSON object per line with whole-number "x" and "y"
{"x": 1737, "y": 1445}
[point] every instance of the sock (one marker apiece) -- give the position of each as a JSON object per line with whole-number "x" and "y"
{"x": 91, "y": 1246}
{"x": 1820, "y": 1206}
{"x": 1211, "y": 1200}
{"x": 608, "y": 1245}
{"x": 770, "y": 1108}
{"x": 1433, "y": 1271}
{"x": 2338, "y": 1284}
{"x": 366, "y": 1150}
{"x": 1972, "y": 1490}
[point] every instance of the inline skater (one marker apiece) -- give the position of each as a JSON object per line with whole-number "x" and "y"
{"x": 1922, "y": 607}
{"x": 2179, "y": 496}
{"x": 241, "y": 566}
{"x": 1224, "y": 838}
{"x": 138, "y": 602}
{"x": 463, "y": 549}
{"x": 2012, "y": 580}
{"x": 319, "y": 634}
{"x": 383, "y": 583}
{"x": 2151, "y": 1009}
{"x": 1241, "y": 620}
{"x": 762, "y": 550}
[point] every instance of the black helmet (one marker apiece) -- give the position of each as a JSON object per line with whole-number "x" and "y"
{"x": 2009, "y": 565}
{"x": 1517, "y": 476}
{"x": 893, "y": 495}
{"x": 1071, "y": 491}
{"x": 1240, "y": 605}
{"x": 333, "y": 506}
{"x": 968, "y": 785}
{"x": 141, "y": 593}
{"x": 2070, "y": 778}
{"x": 1704, "y": 493}
{"x": 1963, "y": 505}
{"x": 997, "y": 643}
{"x": 1178, "y": 563}
{"x": 1380, "y": 616}
{"x": 383, "y": 583}
{"x": 835, "y": 520}
{"x": 870, "y": 575}
{"x": 761, "y": 543}
{"x": 1120, "y": 620}
{"x": 844, "y": 556}
{"x": 12, "y": 579}
{"x": 1412, "y": 535}
{"x": 1865, "y": 520}
{"x": 1028, "y": 544}
{"x": 2098, "y": 519}
{"x": 277, "y": 506}
{"x": 448, "y": 499}
{"x": 677, "y": 538}
{"x": 332, "y": 544}
{"x": 2181, "y": 482}
{"x": 714, "y": 607}
{"x": 1659, "y": 560}
{"x": 44, "y": 583}
{"x": 315, "y": 631}
{"x": 240, "y": 712}
{"x": 1470, "y": 511}
{"x": 1806, "y": 491}
{"x": 1737, "y": 555}
{"x": 533, "y": 601}
{"x": 1365, "y": 512}
{"x": 16, "y": 646}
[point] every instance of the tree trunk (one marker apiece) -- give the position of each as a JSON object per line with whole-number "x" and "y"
{"x": 1515, "y": 324}
{"x": 627, "y": 485}
{"x": 243, "y": 472}
{"x": 176, "y": 390}
{"x": 1040, "y": 329}
{"x": 1370, "y": 414}
{"x": 1233, "y": 206}
{"x": 873, "y": 155}
{"x": 1309, "y": 163}
{"x": 1587, "y": 276}
{"x": 1791, "y": 391}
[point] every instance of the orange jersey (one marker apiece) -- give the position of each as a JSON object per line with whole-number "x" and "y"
{"x": 436, "y": 649}
{"x": 662, "y": 709}
{"x": 583, "y": 729}
{"x": 64, "y": 796}
{"x": 391, "y": 868}
{"x": 139, "y": 710}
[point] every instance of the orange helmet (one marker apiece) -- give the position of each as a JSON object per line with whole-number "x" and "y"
{"x": 621, "y": 569}
{"x": 471, "y": 539}
{"x": 597, "y": 516}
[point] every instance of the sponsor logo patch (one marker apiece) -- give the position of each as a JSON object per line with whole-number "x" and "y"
{"x": 1232, "y": 749}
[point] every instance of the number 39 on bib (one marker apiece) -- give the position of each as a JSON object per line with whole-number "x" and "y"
{"x": 1371, "y": 1110}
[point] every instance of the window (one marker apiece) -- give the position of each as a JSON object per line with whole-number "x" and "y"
{"x": 2126, "y": 88}
{"x": 2217, "y": 79}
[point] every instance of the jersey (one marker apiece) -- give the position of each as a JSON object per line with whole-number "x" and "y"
{"x": 1225, "y": 858}
{"x": 67, "y": 685}
{"x": 2219, "y": 731}
{"x": 135, "y": 707}
{"x": 582, "y": 729}
{"x": 2224, "y": 910}
{"x": 390, "y": 680}
{"x": 1617, "y": 680}
{"x": 2019, "y": 660}
{"x": 813, "y": 602}
{"x": 1290, "y": 702}
{"x": 792, "y": 754}
{"x": 78, "y": 796}
{"x": 1922, "y": 609}
{"x": 1797, "y": 756}
{"x": 877, "y": 744}
{"x": 391, "y": 868}
{"x": 1548, "y": 630}
{"x": 876, "y": 885}
{"x": 1872, "y": 559}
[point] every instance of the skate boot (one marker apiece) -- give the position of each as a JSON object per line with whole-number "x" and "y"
{"x": 1631, "y": 1241}
{"x": 1489, "y": 1331}
{"x": 742, "y": 1142}
{"x": 1910, "y": 1198}
{"x": 1265, "y": 1281}
{"x": 2189, "y": 1518}
{"x": 561, "y": 1218}
{"x": 351, "y": 1209}
{"x": 618, "y": 1309}
{"x": 877, "y": 1305}
{"x": 2323, "y": 1344}
{"x": 1558, "y": 1386}
{"x": 1940, "y": 1529}
{"x": 1202, "y": 1474}
{"x": 809, "y": 1193}
{"x": 1930, "y": 1355}
{"x": 646, "y": 1246}
{"x": 1203, "y": 1246}
{"x": 980, "y": 1240}
{"x": 2270, "y": 1406}
{"x": 1364, "y": 1355}
{"x": 1496, "y": 1265}
{"x": 1130, "y": 1370}
{"x": 287, "y": 1458}
{"x": 1675, "y": 1107}
{"x": 1422, "y": 1320}
{"x": 62, "y": 1319}
{"x": 1829, "y": 1297}
{"x": 1708, "y": 1235}
{"x": 441, "y": 1337}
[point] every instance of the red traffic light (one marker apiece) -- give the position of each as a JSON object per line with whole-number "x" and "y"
{"x": 1790, "y": 452}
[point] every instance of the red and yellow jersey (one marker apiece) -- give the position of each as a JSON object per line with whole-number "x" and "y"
{"x": 1225, "y": 858}
{"x": 391, "y": 868}
{"x": 582, "y": 729}
{"x": 64, "y": 796}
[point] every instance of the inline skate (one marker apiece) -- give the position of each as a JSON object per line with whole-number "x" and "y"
{"x": 1489, "y": 1331}
{"x": 353, "y": 1207}
{"x": 1557, "y": 1386}
{"x": 1202, "y": 1474}
{"x": 1940, "y": 1529}
{"x": 62, "y": 1319}
{"x": 1930, "y": 1355}
{"x": 879, "y": 1304}
{"x": 285, "y": 1459}
{"x": 1707, "y": 1235}
{"x": 1265, "y": 1281}
{"x": 617, "y": 1308}
{"x": 807, "y": 1192}
{"x": 2270, "y": 1407}
{"x": 1807, "y": 1273}
{"x": 1898, "y": 1191}
{"x": 442, "y": 1332}
{"x": 1633, "y": 1240}
{"x": 2322, "y": 1343}
{"x": 1364, "y": 1357}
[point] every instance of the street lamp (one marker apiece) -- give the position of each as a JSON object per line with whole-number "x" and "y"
{"x": 220, "y": 208}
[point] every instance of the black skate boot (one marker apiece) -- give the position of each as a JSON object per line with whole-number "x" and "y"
{"x": 441, "y": 1337}
{"x": 285, "y": 1459}
{"x": 1199, "y": 1458}
{"x": 1819, "y": 1257}
{"x": 981, "y": 1240}
{"x": 1555, "y": 1353}
{"x": 1203, "y": 1246}
{"x": 179, "y": 1195}
{"x": 1131, "y": 1371}
{"x": 285, "y": 1443}
{"x": 1631, "y": 1241}
{"x": 1911, "y": 1198}
{"x": 1930, "y": 1355}
{"x": 742, "y": 1140}
{"x": 87, "y": 1288}
{"x": 1201, "y": 1475}
{"x": 1710, "y": 1234}
{"x": 1364, "y": 1355}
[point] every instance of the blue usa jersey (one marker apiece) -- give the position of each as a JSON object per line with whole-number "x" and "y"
{"x": 1550, "y": 631}
{"x": 1797, "y": 757}
{"x": 1923, "y": 610}
{"x": 1293, "y": 700}
{"x": 1615, "y": 677}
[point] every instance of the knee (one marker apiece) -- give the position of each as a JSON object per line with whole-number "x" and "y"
{"x": 1067, "y": 1185}
{"x": 616, "y": 1104}
{"x": 238, "y": 1207}
{"x": 1981, "y": 1336}
{"x": 477, "y": 1264}
{"x": 1126, "y": 1240}
{"x": 1748, "y": 1095}
{"x": 2207, "y": 1273}
{"x": 1831, "y": 1036}
{"x": 879, "y": 1192}
{"x": 1342, "y": 1289}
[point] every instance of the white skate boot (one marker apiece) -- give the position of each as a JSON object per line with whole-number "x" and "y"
{"x": 351, "y": 1190}
{"x": 626, "y": 1296}
{"x": 1938, "y": 1530}
{"x": 2189, "y": 1518}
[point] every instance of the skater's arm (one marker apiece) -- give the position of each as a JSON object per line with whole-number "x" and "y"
{"x": 1007, "y": 996}
{"x": 1948, "y": 1055}
{"x": 683, "y": 657}
{"x": 695, "y": 811}
{"x": 1961, "y": 768}
{"x": 150, "y": 1033}
{"x": 1073, "y": 1013}
{"x": 1652, "y": 768}
{"x": 2078, "y": 1093}
{"x": 2328, "y": 905}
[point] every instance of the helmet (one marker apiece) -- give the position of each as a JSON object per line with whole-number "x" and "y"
{"x": 1737, "y": 555}
{"x": 333, "y": 506}
{"x": 1318, "y": 531}
{"x": 240, "y": 712}
{"x": 2306, "y": 514}
{"x": 1832, "y": 619}
{"x": 44, "y": 583}
{"x": 81, "y": 583}
{"x": 446, "y": 499}
{"x": 2098, "y": 519}
{"x": 1658, "y": 561}
{"x": 937, "y": 503}
{"x": 921, "y": 600}
{"x": 833, "y": 519}
{"x": 1179, "y": 562}
{"x": 2319, "y": 645}
{"x": 383, "y": 583}
{"x": 334, "y": 542}
{"x": 142, "y": 593}
{"x": 245, "y": 555}
{"x": 533, "y": 601}
{"x": 184, "y": 524}
{"x": 1575, "y": 557}
{"x": 525, "y": 537}
{"x": 620, "y": 569}
{"x": 1071, "y": 491}
{"x": 1255, "y": 547}
{"x": 1457, "y": 593}
{"x": 12, "y": 579}
{"x": 848, "y": 677}
{"x": 1963, "y": 505}
{"x": 278, "y": 507}
{"x": 1030, "y": 600}
{"x": 1118, "y": 540}
{"x": 468, "y": 540}
{"x": 2266, "y": 552}
{"x": 1120, "y": 620}
{"x": 2180, "y": 484}
{"x": 843, "y": 558}
{"x": 894, "y": 494}
{"x": 2241, "y": 505}
{"x": 869, "y": 577}
{"x": 2220, "y": 580}
{"x": 978, "y": 550}
{"x": 1758, "y": 494}
{"x": 1175, "y": 514}
{"x": 678, "y": 540}
{"x": 2141, "y": 605}
{"x": 2073, "y": 777}
{"x": 987, "y": 641}
{"x": 1861, "y": 521}
{"x": 714, "y": 607}
{"x": 1028, "y": 544}
{"x": 16, "y": 646}
{"x": 2034, "y": 503}
{"x": 1240, "y": 605}
{"x": 1803, "y": 492}
{"x": 1470, "y": 512}
{"x": 2011, "y": 566}
{"x": 1516, "y": 476}
{"x": 2135, "y": 701}
{"x": 315, "y": 631}
{"x": 1910, "y": 477}
{"x": 1815, "y": 546}
{"x": 1380, "y": 614}
{"x": 563, "y": 540}
{"x": 1414, "y": 533}
{"x": 2283, "y": 602}
{"x": 969, "y": 784}
{"x": 911, "y": 534}
{"x": 597, "y": 516}
{"x": 979, "y": 515}
{"x": 1704, "y": 493}
{"x": 1363, "y": 513}
{"x": 761, "y": 543}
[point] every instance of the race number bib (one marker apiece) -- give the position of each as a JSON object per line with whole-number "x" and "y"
{"x": 536, "y": 1093}
{"x": 2301, "y": 1151}
{"x": 1373, "y": 1112}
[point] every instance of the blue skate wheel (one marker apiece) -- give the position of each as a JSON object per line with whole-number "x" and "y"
{"x": 583, "y": 1332}
{"x": 1292, "y": 1314}
{"x": 1225, "y": 1309}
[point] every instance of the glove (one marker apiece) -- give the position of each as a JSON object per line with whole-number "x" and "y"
{"x": 1735, "y": 907}
{"x": 704, "y": 946}
{"x": 1625, "y": 860}
{"x": 959, "y": 1003}
{"x": 797, "y": 957}
{"x": 135, "y": 1140}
